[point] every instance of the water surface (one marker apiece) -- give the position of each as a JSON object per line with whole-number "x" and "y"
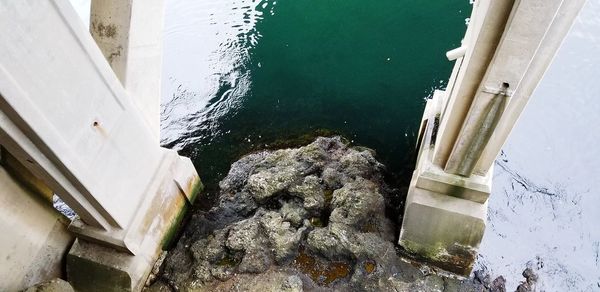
{"x": 241, "y": 74}
{"x": 544, "y": 211}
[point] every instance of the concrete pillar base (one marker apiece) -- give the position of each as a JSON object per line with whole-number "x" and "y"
{"x": 92, "y": 267}
{"x": 444, "y": 218}
{"x": 97, "y": 264}
{"x": 443, "y": 230}
{"x": 174, "y": 183}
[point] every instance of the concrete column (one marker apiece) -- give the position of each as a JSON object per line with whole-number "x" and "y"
{"x": 509, "y": 45}
{"x": 130, "y": 35}
{"x": 483, "y": 34}
{"x": 540, "y": 61}
{"x": 65, "y": 115}
{"x": 34, "y": 235}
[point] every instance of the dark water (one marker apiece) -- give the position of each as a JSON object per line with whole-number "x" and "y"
{"x": 240, "y": 75}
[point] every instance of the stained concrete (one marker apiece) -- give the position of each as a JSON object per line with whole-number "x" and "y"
{"x": 34, "y": 237}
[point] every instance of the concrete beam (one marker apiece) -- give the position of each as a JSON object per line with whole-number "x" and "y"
{"x": 42, "y": 167}
{"x": 555, "y": 32}
{"x": 517, "y": 49}
{"x": 63, "y": 110}
{"x": 485, "y": 29}
{"x": 65, "y": 115}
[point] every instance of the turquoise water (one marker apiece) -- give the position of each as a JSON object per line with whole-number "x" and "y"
{"x": 242, "y": 74}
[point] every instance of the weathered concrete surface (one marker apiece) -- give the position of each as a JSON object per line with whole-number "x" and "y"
{"x": 97, "y": 153}
{"x": 24, "y": 176}
{"x": 66, "y": 116}
{"x": 445, "y": 214}
{"x": 95, "y": 267}
{"x": 54, "y": 285}
{"x": 129, "y": 33}
{"x": 312, "y": 218}
{"x": 33, "y": 237}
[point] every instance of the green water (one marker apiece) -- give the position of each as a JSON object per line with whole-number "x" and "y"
{"x": 361, "y": 69}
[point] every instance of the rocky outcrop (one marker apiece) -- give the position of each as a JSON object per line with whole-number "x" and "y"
{"x": 311, "y": 218}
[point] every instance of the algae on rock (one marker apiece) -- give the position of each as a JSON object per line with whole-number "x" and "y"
{"x": 311, "y": 218}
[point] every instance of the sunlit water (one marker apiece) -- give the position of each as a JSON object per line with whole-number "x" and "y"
{"x": 240, "y": 74}
{"x": 544, "y": 210}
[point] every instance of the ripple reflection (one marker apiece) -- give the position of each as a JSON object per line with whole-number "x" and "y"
{"x": 216, "y": 38}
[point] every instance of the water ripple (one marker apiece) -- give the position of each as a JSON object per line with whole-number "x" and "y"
{"x": 220, "y": 34}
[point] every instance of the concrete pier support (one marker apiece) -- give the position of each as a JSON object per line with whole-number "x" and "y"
{"x": 34, "y": 236}
{"x": 130, "y": 35}
{"x": 66, "y": 116}
{"x": 506, "y": 50}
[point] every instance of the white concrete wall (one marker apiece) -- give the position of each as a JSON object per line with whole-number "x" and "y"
{"x": 66, "y": 100}
{"x": 130, "y": 35}
{"x": 33, "y": 237}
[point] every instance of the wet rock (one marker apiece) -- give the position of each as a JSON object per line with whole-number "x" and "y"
{"x": 530, "y": 281}
{"x": 311, "y": 218}
{"x": 330, "y": 242}
{"x": 177, "y": 267}
{"x": 483, "y": 277}
{"x": 255, "y": 262}
{"x": 213, "y": 249}
{"x": 267, "y": 183}
{"x": 332, "y": 178}
{"x": 293, "y": 212}
{"x": 283, "y": 238}
{"x": 530, "y": 275}
{"x": 242, "y": 236}
{"x": 159, "y": 287}
{"x": 222, "y": 272}
{"x": 355, "y": 202}
{"x": 498, "y": 285}
{"x": 360, "y": 164}
{"x": 202, "y": 271}
{"x": 292, "y": 284}
{"x": 239, "y": 172}
{"x": 312, "y": 194}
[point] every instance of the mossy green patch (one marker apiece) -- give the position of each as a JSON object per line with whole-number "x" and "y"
{"x": 196, "y": 190}
{"x": 229, "y": 261}
{"x": 317, "y": 222}
{"x": 433, "y": 253}
{"x": 328, "y": 195}
{"x": 173, "y": 230}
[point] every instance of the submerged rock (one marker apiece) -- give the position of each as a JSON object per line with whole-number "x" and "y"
{"x": 311, "y": 218}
